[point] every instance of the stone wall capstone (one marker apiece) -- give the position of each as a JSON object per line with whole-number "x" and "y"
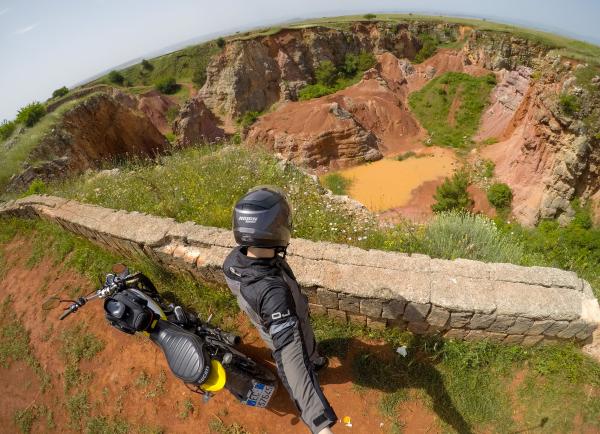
{"x": 460, "y": 299}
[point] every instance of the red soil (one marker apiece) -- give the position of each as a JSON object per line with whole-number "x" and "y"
{"x": 155, "y": 105}
{"x": 113, "y": 390}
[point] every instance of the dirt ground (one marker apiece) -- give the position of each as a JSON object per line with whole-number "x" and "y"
{"x": 114, "y": 389}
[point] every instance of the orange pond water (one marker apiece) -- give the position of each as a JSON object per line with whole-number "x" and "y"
{"x": 389, "y": 183}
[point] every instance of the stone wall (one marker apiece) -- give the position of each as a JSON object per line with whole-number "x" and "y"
{"x": 459, "y": 299}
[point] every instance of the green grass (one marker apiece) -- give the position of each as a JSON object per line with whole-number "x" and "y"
{"x": 432, "y": 106}
{"x": 574, "y": 247}
{"x": 466, "y": 384}
{"x": 337, "y": 183}
{"x": 78, "y": 409}
{"x": 189, "y": 186}
{"x": 181, "y": 65}
{"x": 25, "y": 418}
{"x": 15, "y": 344}
{"x": 11, "y": 160}
{"x": 104, "y": 425}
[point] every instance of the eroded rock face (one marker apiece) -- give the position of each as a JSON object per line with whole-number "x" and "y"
{"x": 318, "y": 135}
{"x": 103, "y": 127}
{"x": 251, "y": 75}
{"x": 546, "y": 157}
{"x": 196, "y": 124}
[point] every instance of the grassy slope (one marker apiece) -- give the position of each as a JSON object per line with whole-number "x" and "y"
{"x": 11, "y": 160}
{"x": 432, "y": 105}
{"x": 468, "y": 385}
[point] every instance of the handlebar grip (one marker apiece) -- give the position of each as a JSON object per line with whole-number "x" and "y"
{"x": 65, "y": 314}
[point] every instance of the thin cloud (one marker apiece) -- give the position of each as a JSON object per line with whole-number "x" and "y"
{"x": 3, "y": 11}
{"x": 26, "y": 29}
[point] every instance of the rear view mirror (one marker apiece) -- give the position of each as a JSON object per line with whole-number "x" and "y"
{"x": 51, "y": 302}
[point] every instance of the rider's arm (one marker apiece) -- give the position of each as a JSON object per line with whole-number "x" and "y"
{"x": 279, "y": 317}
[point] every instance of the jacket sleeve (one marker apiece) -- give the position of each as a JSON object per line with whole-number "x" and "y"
{"x": 279, "y": 317}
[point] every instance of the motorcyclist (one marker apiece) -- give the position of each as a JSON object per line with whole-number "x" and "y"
{"x": 266, "y": 289}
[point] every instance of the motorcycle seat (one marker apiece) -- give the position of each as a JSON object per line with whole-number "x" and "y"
{"x": 184, "y": 351}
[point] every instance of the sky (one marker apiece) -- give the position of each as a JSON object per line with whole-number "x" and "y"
{"x": 47, "y": 44}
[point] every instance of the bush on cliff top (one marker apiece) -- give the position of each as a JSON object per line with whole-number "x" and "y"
{"x": 7, "y": 128}
{"x": 31, "y": 114}
{"x": 166, "y": 85}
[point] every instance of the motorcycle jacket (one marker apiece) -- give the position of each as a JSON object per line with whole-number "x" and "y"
{"x": 267, "y": 291}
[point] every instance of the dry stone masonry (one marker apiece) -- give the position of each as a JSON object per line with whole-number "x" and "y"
{"x": 460, "y": 299}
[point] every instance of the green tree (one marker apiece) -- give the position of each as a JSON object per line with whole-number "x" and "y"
{"x": 500, "y": 195}
{"x": 31, "y": 114}
{"x": 115, "y": 77}
{"x": 166, "y": 85}
{"x": 369, "y": 16}
{"x": 60, "y": 92}
{"x": 453, "y": 194}
{"x": 326, "y": 73}
{"x": 220, "y": 42}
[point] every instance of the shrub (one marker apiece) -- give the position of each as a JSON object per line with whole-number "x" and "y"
{"x": 453, "y": 194}
{"x": 488, "y": 168}
{"x": 500, "y": 195}
{"x": 7, "y": 128}
{"x": 569, "y": 104}
{"x": 369, "y": 16}
{"x": 166, "y": 85}
{"x": 199, "y": 77}
{"x": 60, "y": 92}
{"x": 37, "y": 186}
{"x": 220, "y": 42}
{"x": 116, "y": 77}
{"x": 147, "y": 65}
{"x": 459, "y": 234}
{"x": 429, "y": 45}
{"x": 337, "y": 183}
{"x": 249, "y": 118}
{"x": 31, "y": 114}
{"x": 326, "y": 73}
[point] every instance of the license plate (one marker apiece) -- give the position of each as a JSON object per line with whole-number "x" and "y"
{"x": 259, "y": 395}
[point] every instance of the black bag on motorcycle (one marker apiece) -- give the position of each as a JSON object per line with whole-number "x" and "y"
{"x": 128, "y": 312}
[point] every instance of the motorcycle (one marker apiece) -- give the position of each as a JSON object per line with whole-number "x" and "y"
{"x": 203, "y": 356}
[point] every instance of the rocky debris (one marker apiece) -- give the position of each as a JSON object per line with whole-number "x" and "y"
{"x": 46, "y": 170}
{"x": 458, "y": 299}
{"x": 102, "y": 127}
{"x": 315, "y": 134}
{"x": 196, "y": 124}
{"x": 496, "y": 50}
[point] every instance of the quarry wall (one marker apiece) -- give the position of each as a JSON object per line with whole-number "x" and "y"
{"x": 459, "y": 299}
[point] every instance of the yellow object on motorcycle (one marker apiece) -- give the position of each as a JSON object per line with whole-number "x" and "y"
{"x": 216, "y": 379}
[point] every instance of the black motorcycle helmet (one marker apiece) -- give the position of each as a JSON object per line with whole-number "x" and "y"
{"x": 263, "y": 218}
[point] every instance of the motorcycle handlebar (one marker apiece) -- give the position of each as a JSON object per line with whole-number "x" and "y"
{"x": 66, "y": 313}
